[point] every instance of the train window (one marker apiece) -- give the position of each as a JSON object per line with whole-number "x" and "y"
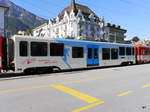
{"x": 56, "y": 49}
{"x": 95, "y": 53}
{"x": 10, "y": 51}
{"x": 133, "y": 51}
{"x": 90, "y": 53}
{"x": 77, "y": 52}
{"x": 114, "y": 53}
{"x": 146, "y": 51}
{"x": 23, "y": 48}
{"x": 122, "y": 51}
{"x": 128, "y": 51}
{"x": 106, "y": 53}
{"x": 38, "y": 49}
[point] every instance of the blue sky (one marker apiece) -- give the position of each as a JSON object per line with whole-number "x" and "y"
{"x": 133, "y": 15}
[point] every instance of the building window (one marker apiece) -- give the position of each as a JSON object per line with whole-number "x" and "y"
{"x": 98, "y": 28}
{"x": 133, "y": 51}
{"x": 90, "y": 53}
{"x": 71, "y": 15}
{"x": 86, "y": 26}
{"x": 146, "y": 51}
{"x": 71, "y": 24}
{"x": 38, "y": 48}
{"x": 56, "y": 49}
{"x": 57, "y": 30}
{"x": 23, "y": 48}
{"x": 122, "y": 51}
{"x": 106, "y": 53}
{"x": 96, "y": 53}
{"x": 77, "y": 52}
{"x": 128, "y": 51}
{"x": 114, "y": 53}
{"x": 80, "y": 17}
{"x": 65, "y": 18}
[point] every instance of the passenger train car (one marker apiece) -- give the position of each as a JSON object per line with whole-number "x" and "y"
{"x": 35, "y": 54}
{"x": 30, "y": 54}
{"x": 142, "y": 54}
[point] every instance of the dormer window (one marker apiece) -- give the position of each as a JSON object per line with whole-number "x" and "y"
{"x": 80, "y": 17}
{"x": 92, "y": 18}
{"x": 65, "y": 18}
{"x": 71, "y": 16}
{"x": 57, "y": 19}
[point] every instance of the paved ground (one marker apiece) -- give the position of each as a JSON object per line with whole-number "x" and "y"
{"x": 120, "y": 89}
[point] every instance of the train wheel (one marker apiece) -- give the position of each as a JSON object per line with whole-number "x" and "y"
{"x": 44, "y": 70}
{"x": 124, "y": 63}
{"x": 131, "y": 63}
{"x": 56, "y": 69}
{"x": 50, "y": 69}
{"x": 30, "y": 71}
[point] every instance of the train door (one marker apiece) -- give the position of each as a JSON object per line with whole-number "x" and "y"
{"x": 92, "y": 55}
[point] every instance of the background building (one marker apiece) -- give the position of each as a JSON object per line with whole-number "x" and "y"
{"x": 115, "y": 33}
{"x": 145, "y": 42}
{"x": 79, "y": 22}
{"x": 76, "y": 22}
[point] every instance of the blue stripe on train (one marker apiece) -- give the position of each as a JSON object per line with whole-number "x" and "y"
{"x": 65, "y": 57}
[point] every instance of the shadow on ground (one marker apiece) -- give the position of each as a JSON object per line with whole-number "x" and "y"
{"x": 11, "y": 75}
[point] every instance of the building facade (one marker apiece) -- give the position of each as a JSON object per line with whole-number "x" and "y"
{"x": 115, "y": 33}
{"x": 76, "y": 22}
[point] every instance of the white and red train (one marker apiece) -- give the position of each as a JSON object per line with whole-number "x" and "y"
{"x": 142, "y": 54}
{"x": 34, "y": 54}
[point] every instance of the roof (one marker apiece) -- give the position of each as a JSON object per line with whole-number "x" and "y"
{"x": 85, "y": 10}
{"x": 143, "y": 46}
{"x": 3, "y": 4}
{"x": 41, "y": 26}
{"x": 114, "y": 26}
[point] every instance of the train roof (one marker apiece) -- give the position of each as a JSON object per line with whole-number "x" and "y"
{"x": 91, "y": 42}
{"x": 70, "y": 40}
{"x": 143, "y": 46}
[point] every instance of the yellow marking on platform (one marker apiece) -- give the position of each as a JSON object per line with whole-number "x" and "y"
{"x": 125, "y": 93}
{"x": 146, "y": 85}
{"x": 75, "y": 93}
{"x": 48, "y": 85}
{"x": 81, "y": 80}
{"x": 89, "y": 106}
{"x": 24, "y": 89}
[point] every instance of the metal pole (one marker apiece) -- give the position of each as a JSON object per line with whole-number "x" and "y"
{"x": 5, "y": 21}
{"x": 6, "y": 36}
